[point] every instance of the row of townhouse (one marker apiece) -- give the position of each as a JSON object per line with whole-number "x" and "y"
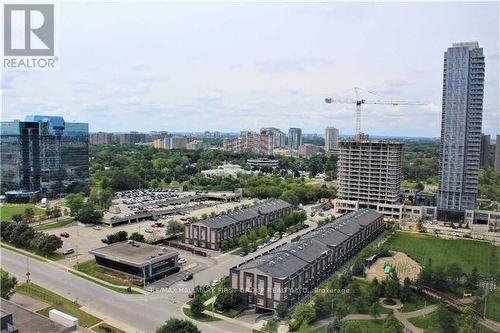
{"x": 210, "y": 232}
{"x": 287, "y": 273}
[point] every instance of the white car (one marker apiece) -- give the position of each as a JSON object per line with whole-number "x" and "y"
{"x": 97, "y": 227}
{"x": 182, "y": 261}
{"x": 214, "y": 283}
{"x": 284, "y": 234}
{"x": 261, "y": 246}
{"x": 148, "y": 230}
{"x": 274, "y": 239}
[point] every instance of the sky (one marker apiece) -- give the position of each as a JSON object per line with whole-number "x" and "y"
{"x": 234, "y": 66}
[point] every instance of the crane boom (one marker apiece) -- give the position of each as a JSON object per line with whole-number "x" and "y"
{"x": 358, "y": 102}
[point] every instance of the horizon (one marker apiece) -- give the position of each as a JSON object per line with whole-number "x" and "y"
{"x": 202, "y": 76}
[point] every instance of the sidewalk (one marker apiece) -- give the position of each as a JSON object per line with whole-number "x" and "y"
{"x": 71, "y": 270}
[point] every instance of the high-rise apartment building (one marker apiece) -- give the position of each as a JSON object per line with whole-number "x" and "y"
{"x": 294, "y": 138}
{"x": 279, "y": 136}
{"x": 462, "y": 110}
{"x": 369, "y": 172}
{"x": 331, "y": 139}
{"x": 132, "y": 138}
{"x": 260, "y": 143}
{"x": 178, "y": 142}
{"x": 45, "y": 154}
{"x": 497, "y": 154}
{"x": 484, "y": 160}
{"x": 101, "y": 138}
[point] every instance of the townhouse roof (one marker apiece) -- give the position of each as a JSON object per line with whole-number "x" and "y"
{"x": 276, "y": 264}
{"x": 308, "y": 249}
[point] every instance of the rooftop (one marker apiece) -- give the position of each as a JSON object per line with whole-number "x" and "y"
{"x": 28, "y": 321}
{"x": 134, "y": 253}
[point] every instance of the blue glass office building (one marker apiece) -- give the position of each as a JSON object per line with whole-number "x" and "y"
{"x": 45, "y": 154}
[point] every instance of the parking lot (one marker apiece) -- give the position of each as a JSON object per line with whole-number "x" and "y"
{"x": 85, "y": 238}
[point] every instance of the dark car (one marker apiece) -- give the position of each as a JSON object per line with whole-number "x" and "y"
{"x": 106, "y": 240}
{"x": 252, "y": 250}
{"x": 64, "y": 234}
{"x": 187, "y": 277}
{"x": 242, "y": 254}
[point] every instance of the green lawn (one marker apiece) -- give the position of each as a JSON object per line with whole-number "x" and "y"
{"x": 492, "y": 305}
{"x": 430, "y": 323}
{"x": 91, "y": 268}
{"x": 8, "y": 210}
{"x": 367, "y": 326}
{"x": 118, "y": 290}
{"x": 58, "y": 224}
{"x": 57, "y": 302}
{"x": 203, "y": 317}
{"x": 442, "y": 252}
{"x": 416, "y": 303}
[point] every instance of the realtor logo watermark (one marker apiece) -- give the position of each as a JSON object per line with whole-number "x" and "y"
{"x": 29, "y": 37}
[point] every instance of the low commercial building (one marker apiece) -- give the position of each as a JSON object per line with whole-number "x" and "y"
{"x": 225, "y": 170}
{"x": 262, "y": 163}
{"x": 210, "y": 232}
{"x": 287, "y": 273}
{"x": 308, "y": 150}
{"x": 139, "y": 260}
{"x": 16, "y": 318}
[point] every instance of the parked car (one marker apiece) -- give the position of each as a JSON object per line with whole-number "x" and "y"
{"x": 242, "y": 254}
{"x": 191, "y": 295}
{"x": 106, "y": 240}
{"x": 97, "y": 227}
{"x": 68, "y": 251}
{"x": 261, "y": 246}
{"x": 215, "y": 282}
{"x": 64, "y": 234}
{"x": 182, "y": 261}
{"x": 285, "y": 234}
{"x": 252, "y": 250}
{"x": 148, "y": 230}
{"x": 187, "y": 277}
{"x": 272, "y": 240}
{"x": 159, "y": 224}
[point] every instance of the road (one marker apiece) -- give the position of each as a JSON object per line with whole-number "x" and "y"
{"x": 135, "y": 313}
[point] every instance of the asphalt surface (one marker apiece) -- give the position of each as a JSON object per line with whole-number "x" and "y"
{"x": 135, "y": 313}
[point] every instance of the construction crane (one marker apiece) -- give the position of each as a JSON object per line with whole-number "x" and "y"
{"x": 360, "y": 101}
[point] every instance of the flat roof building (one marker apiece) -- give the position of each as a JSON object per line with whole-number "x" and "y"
{"x": 144, "y": 261}
{"x": 16, "y": 318}
{"x": 288, "y": 273}
{"x": 210, "y": 232}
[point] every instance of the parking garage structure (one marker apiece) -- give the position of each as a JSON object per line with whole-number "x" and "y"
{"x": 210, "y": 232}
{"x": 138, "y": 260}
{"x": 288, "y": 273}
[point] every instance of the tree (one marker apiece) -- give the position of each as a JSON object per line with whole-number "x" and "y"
{"x": 468, "y": 321}
{"x": 358, "y": 269}
{"x": 262, "y": 231}
{"x": 46, "y": 244}
{"x": 174, "y": 227}
{"x": 374, "y": 310}
{"x": 445, "y": 319}
{"x": 352, "y": 327}
{"x": 406, "y": 292}
{"x": 271, "y": 326}
{"x": 454, "y": 274}
{"x": 243, "y": 242}
{"x": 252, "y": 235}
{"x": 175, "y": 325}
{"x": 281, "y": 310}
{"x": 7, "y": 285}
{"x": 17, "y": 217}
{"x": 74, "y": 201}
{"x": 473, "y": 278}
{"x": 304, "y": 328}
{"x": 197, "y": 306}
{"x": 88, "y": 214}
{"x": 137, "y": 237}
{"x": 392, "y": 325}
{"x": 323, "y": 305}
{"x": 335, "y": 326}
{"x": 29, "y": 213}
{"x": 304, "y": 313}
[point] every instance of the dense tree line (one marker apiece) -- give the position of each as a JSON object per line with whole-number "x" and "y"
{"x": 23, "y": 236}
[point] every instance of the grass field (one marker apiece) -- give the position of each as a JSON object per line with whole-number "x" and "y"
{"x": 467, "y": 253}
{"x": 492, "y": 305}
{"x": 367, "y": 326}
{"x": 57, "y": 302}
{"x": 54, "y": 256}
{"x": 203, "y": 317}
{"x": 430, "y": 323}
{"x": 91, "y": 268}
{"x": 9, "y": 210}
{"x": 58, "y": 224}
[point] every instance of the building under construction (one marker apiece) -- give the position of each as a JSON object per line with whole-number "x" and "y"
{"x": 369, "y": 176}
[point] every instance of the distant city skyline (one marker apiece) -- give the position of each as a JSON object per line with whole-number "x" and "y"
{"x": 179, "y": 68}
